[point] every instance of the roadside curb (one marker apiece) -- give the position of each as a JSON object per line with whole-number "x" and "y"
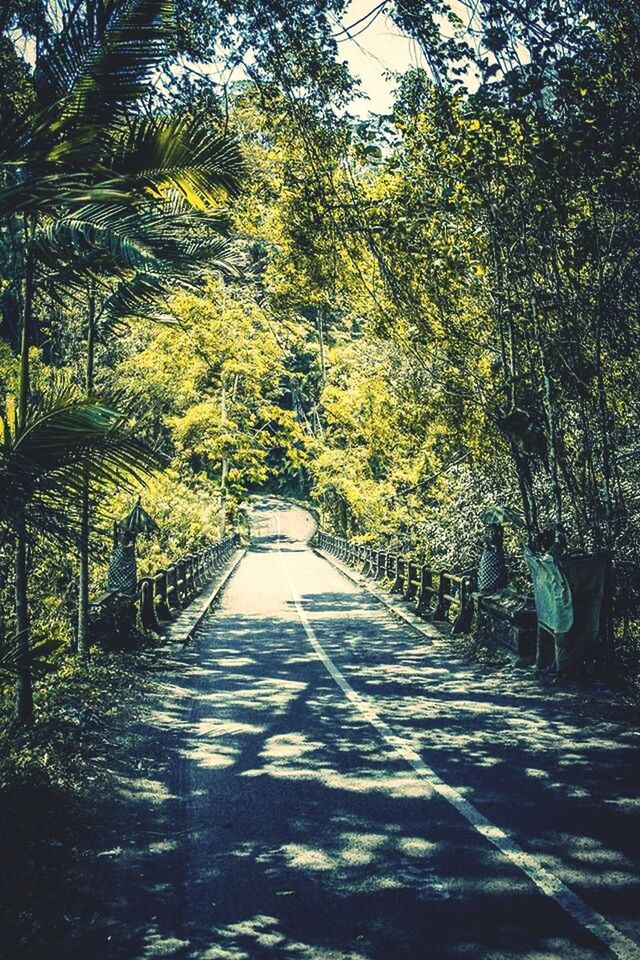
{"x": 181, "y": 629}
{"x": 426, "y": 629}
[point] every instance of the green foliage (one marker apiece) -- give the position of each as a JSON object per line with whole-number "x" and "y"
{"x": 185, "y": 513}
{"x": 65, "y": 437}
{"x": 93, "y": 191}
{"x": 421, "y": 315}
{"x": 212, "y": 383}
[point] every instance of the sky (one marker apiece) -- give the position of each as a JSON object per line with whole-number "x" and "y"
{"x": 377, "y": 48}
{"x": 372, "y": 45}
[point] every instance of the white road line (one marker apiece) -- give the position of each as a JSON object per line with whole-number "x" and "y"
{"x": 547, "y": 882}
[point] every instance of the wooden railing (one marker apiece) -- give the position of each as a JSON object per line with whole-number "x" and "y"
{"x": 158, "y": 597}
{"x": 436, "y": 595}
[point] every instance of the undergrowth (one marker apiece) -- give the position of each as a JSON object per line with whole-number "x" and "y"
{"x": 53, "y": 775}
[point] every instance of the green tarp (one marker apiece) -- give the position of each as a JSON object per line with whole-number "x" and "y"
{"x": 569, "y": 596}
{"x": 551, "y": 591}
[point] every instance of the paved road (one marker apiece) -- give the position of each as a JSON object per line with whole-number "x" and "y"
{"x": 320, "y": 782}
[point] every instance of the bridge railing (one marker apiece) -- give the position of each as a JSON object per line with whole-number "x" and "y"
{"x": 435, "y": 594}
{"x": 159, "y": 596}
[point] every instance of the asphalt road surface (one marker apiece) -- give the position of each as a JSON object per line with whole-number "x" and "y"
{"x": 320, "y": 782}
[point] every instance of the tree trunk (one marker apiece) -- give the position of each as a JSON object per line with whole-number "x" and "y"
{"x": 323, "y": 367}
{"x": 509, "y": 359}
{"x": 224, "y": 470}
{"x": 605, "y": 428}
{"x": 24, "y": 691}
{"x": 551, "y": 414}
{"x": 85, "y": 518}
{"x": 602, "y": 401}
{"x": 223, "y": 496}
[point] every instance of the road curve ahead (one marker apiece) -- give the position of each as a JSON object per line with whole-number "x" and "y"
{"x": 321, "y": 782}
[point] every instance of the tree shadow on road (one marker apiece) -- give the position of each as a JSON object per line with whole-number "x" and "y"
{"x": 262, "y": 816}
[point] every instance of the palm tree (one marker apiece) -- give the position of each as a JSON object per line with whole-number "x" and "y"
{"x": 79, "y": 149}
{"x": 45, "y": 455}
{"x": 49, "y": 163}
{"x": 148, "y": 247}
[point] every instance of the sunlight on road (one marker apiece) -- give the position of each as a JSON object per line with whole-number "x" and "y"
{"x": 282, "y": 826}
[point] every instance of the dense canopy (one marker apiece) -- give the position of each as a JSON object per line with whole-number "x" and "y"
{"x": 217, "y": 278}
{"x": 224, "y": 278}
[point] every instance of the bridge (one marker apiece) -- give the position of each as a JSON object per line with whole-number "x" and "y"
{"x": 324, "y": 779}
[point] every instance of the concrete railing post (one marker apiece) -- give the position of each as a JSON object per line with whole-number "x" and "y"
{"x": 181, "y": 582}
{"x": 442, "y": 605}
{"x": 400, "y": 580}
{"x": 390, "y": 567}
{"x": 198, "y": 571}
{"x": 412, "y": 581}
{"x": 462, "y": 623}
{"x": 161, "y": 592}
{"x": 173, "y": 593}
{"x": 190, "y": 573}
{"x": 425, "y": 589}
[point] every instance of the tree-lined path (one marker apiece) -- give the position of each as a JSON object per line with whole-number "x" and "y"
{"x": 242, "y": 257}
{"x": 318, "y": 780}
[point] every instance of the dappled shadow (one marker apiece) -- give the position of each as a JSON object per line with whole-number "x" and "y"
{"x": 268, "y": 542}
{"x": 263, "y": 817}
{"x": 266, "y": 794}
{"x": 267, "y": 535}
{"x": 495, "y": 733}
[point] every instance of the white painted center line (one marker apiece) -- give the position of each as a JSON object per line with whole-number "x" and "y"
{"x": 546, "y": 881}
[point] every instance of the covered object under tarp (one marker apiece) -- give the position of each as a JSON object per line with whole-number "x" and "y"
{"x": 564, "y": 641}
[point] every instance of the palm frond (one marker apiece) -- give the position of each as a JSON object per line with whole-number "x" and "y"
{"x": 66, "y": 438}
{"x": 45, "y": 190}
{"x": 185, "y": 258}
{"x": 13, "y": 656}
{"x": 144, "y": 295}
{"x": 17, "y": 132}
{"x": 64, "y": 427}
{"x": 91, "y": 231}
{"x": 84, "y": 82}
{"x": 172, "y": 208}
{"x": 182, "y": 155}
{"x": 89, "y": 76}
{"x": 119, "y": 240}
